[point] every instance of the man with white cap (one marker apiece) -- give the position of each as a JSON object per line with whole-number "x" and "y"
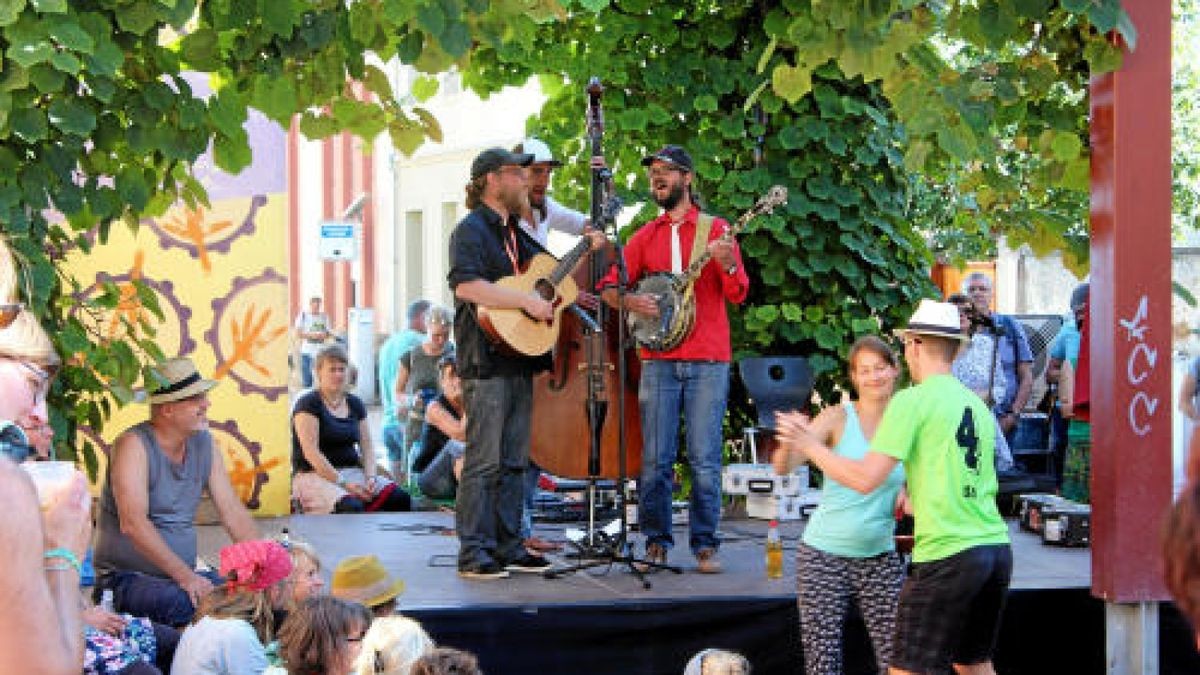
{"x": 544, "y": 213}
{"x": 146, "y": 548}
{"x": 949, "y": 611}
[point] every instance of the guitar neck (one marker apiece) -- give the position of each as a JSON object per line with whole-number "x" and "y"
{"x": 568, "y": 262}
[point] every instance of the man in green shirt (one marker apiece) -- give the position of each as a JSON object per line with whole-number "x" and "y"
{"x": 943, "y": 433}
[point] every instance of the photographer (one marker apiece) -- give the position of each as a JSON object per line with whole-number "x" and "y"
{"x": 978, "y": 365}
{"x": 1016, "y": 358}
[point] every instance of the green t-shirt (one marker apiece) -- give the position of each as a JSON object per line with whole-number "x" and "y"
{"x": 945, "y": 436}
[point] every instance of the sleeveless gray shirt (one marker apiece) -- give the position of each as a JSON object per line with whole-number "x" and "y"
{"x": 174, "y": 492}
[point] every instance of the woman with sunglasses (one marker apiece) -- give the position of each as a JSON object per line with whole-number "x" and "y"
{"x": 323, "y": 636}
{"x": 40, "y": 626}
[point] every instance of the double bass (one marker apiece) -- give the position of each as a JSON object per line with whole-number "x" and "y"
{"x": 586, "y": 360}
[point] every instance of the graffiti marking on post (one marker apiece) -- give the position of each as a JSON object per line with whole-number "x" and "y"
{"x": 1138, "y": 367}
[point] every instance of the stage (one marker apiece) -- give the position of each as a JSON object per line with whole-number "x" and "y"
{"x": 604, "y": 621}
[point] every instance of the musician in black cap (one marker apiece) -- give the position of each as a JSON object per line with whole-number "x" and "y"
{"x": 487, "y": 245}
{"x": 691, "y": 379}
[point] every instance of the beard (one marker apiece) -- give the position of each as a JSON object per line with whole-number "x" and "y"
{"x": 672, "y": 198}
{"x": 514, "y": 200}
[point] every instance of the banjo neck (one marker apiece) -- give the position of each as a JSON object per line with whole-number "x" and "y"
{"x": 776, "y": 196}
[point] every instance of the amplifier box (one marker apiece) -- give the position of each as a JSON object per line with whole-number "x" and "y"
{"x": 1067, "y": 524}
{"x": 1031, "y": 508}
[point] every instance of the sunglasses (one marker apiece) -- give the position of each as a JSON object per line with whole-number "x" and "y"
{"x": 9, "y": 312}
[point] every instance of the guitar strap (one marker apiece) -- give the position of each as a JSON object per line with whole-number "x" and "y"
{"x": 704, "y": 225}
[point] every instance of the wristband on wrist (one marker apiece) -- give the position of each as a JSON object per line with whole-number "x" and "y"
{"x": 70, "y": 561}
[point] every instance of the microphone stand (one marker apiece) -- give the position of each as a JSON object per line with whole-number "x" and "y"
{"x": 598, "y": 547}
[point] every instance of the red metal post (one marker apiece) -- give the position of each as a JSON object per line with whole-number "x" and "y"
{"x": 1131, "y": 312}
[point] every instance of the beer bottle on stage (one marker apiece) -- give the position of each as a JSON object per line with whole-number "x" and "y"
{"x": 774, "y": 552}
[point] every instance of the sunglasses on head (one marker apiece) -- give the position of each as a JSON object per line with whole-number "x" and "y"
{"x": 9, "y": 312}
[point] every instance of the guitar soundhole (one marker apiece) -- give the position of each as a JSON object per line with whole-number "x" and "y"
{"x": 545, "y": 289}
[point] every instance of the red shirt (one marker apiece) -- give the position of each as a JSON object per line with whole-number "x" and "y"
{"x": 649, "y": 251}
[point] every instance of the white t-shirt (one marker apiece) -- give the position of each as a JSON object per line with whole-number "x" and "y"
{"x": 219, "y": 647}
{"x": 558, "y": 217}
{"x": 308, "y": 323}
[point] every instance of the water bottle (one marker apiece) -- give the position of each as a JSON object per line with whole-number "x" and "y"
{"x": 631, "y": 505}
{"x": 774, "y": 552}
{"x": 106, "y": 601}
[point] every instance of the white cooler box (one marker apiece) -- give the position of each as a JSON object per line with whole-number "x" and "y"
{"x": 747, "y": 479}
{"x": 770, "y": 496}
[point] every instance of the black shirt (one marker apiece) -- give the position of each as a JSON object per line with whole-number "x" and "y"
{"x": 477, "y": 251}
{"x": 433, "y": 438}
{"x": 337, "y": 437}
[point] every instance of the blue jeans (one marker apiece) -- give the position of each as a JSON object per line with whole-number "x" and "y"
{"x": 492, "y": 487}
{"x": 306, "y": 374}
{"x": 695, "y": 390}
{"x": 157, "y": 598}
{"x": 393, "y": 440}
{"x": 437, "y": 481}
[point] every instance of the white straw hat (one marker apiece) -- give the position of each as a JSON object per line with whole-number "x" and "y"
{"x": 935, "y": 318}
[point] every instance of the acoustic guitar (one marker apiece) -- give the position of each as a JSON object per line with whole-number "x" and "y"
{"x": 517, "y": 332}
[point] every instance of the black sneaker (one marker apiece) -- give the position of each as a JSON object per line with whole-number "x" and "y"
{"x": 482, "y": 570}
{"x": 527, "y": 562}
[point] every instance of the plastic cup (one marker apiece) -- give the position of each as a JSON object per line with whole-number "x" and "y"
{"x": 50, "y": 479}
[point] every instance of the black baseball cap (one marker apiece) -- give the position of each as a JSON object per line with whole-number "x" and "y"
{"x": 493, "y": 158}
{"x": 671, "y": 154}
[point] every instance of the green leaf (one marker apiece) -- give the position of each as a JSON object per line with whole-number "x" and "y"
{"x": 705, "y": 103}
{"x": 73, "y": 116}
{"x": 49, "y": 6}
{"x": 131, "y": 186}
{"x": 10, "y": 11}
{"x": 279, "y": 16}
{"x": 456, "y": 38}
{"x": 29, "y": 124}
{"x": 1066, "y": 146}
{"x": 791, "y": 83}
{"x": 138, "y": 17}
{"x": 199, "y": 50}
{"x": 68, "y": 33}
{"x": 1102, "y": 56}
{"x": 425, "y": 87}
{"x": 232, "y": 153}
{"x": 1104, "y": 14}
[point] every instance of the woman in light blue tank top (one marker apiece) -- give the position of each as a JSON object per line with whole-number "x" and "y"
{"x": 848, "y": 552}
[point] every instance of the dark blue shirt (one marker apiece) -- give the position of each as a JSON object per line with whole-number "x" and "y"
{"x": 337, "y": 437}
{"x": 477, "y": 251}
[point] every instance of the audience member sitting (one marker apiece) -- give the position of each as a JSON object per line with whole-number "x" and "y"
{"x": 717, "y": 662}
{"x": 391, "y": 646}
{"x": 1181, "y": 555}
{"x": 305, "y": 580}
{"x": 146, "y": 549}
{"x": 236, "y": 621}
{"x": 444, "y": 437}
{"x": 114, "y": 643}
{"x": 323, "y": 635}
{"x": 363, "y": 579}
{"x": 446, "y": 661}
{"x": 329, "y": 429}
{"x": 417, "y": 382}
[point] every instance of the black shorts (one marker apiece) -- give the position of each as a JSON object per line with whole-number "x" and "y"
{"x": 950, "y": 609}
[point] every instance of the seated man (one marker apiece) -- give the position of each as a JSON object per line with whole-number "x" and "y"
{"x": 444, "y": 437}
{"x": 146, "y": 549}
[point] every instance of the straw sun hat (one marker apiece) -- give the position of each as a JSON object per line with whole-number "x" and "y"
{"x": 181, "y": 380}
{"x": 362, "y": 578}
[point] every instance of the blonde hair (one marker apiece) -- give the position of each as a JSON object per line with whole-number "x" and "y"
{"x": 253, "y": 607}
{"x": 8, "y": 273}
{"x": 299, "y": 551}
{"x": 26, "y": 340}
{"x": 391, "y": 646}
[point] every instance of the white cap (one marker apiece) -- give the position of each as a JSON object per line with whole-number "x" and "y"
{"x": 539, "y": 150}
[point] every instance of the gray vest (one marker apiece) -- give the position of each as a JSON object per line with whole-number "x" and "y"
{"x": 174, "y": 492}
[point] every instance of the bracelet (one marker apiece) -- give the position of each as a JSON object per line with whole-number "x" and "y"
{"x": 70, "y": 561}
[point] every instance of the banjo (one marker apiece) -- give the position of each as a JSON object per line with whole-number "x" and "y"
{"x": 674, "y": 292}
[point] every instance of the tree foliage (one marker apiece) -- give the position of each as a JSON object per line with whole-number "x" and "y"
{"x": 881, "y": 116}
{"x": 98, "y": 124}
{"x": 1185, "y": 125}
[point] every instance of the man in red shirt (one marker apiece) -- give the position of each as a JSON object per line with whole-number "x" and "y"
{"x": 691, "y": 380}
